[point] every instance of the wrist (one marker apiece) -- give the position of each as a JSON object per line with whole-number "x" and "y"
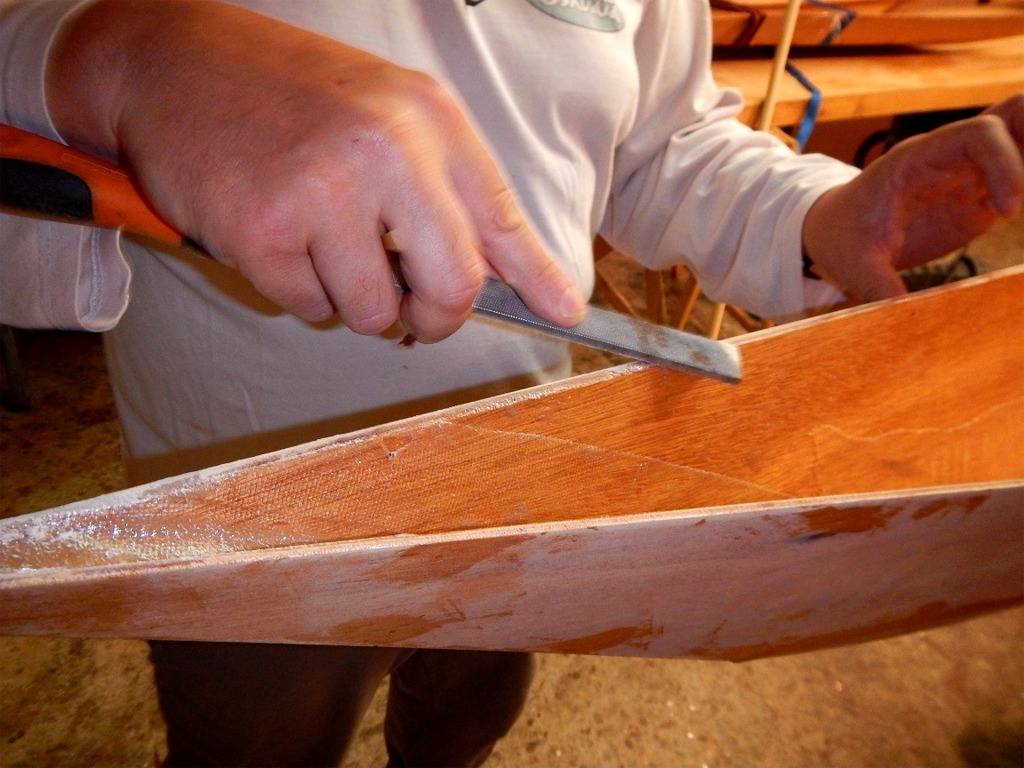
{"x": 825, "y": 236}
{"x": 85, "y": 76}
{"x": 817, "y": 232}
{"x": 109, "y": 58}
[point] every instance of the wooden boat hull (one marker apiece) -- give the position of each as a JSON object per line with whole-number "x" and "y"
{"x": 865, "y": 479}
{"x": 734, "y": 583}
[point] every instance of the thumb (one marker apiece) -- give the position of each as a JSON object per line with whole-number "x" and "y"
{"x": 510, "y": 247}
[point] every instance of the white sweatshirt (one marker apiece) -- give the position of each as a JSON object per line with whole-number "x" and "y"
{"x": 602, "y": 115}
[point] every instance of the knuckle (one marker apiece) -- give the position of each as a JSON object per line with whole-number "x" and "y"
{"x": 990, "y": 125}
{"x": 436, "y": 315}
{"x": 379, "y": 146}
{"x": 392, "y": 114}
{"x": 273, "y": 275}
{"x": 464, "y": 293}
{"x": 265, "y": 222}
{"x": 504, "y": 217}
{"x": 462, "y": 283}
{"x": 458, "y": 292}
{"x": 366, "y": 310}
{"x": 429, "y": 95}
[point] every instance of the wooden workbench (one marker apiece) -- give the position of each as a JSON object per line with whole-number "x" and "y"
{"x": 858, "y": 83}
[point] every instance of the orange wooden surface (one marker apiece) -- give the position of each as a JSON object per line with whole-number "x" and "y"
{"x": 876, "y": 24}
{"x": 883, "y": 82}
{"x": 865, "y": 478}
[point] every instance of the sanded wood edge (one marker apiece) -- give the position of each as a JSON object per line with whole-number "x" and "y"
{"x": 841, "y": 315}
{"x": 730, "y": 583}
{"x": 330, "y": 487}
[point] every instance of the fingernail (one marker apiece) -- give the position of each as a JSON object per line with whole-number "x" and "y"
{"x": 572, "y": 305}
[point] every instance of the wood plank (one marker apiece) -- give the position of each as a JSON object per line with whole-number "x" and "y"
{"x": 735, "y": 583}
{"x": 929, "y": 26}
{"x": 858, "y": 84}
{"x": 864, "y": 479}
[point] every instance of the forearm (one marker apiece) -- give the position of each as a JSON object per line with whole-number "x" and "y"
{"x": 729, "y": 203}
{"x": 840, "y": 236}
{"x": 118, "y": 66}
{"x": 86, "y": 73}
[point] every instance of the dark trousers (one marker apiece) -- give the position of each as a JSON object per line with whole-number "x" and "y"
{"x": 290, "y": 705}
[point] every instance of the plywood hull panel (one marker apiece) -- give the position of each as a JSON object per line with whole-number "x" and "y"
{"x": 734, "y": 583}
{"x": 864, "y": 479}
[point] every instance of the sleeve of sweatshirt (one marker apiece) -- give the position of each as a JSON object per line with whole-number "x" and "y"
{"x": 52, "y": 275}
{"x": 695, "y": 186}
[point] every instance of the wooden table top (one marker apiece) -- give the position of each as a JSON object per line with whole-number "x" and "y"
{"x": 881, "y": 82}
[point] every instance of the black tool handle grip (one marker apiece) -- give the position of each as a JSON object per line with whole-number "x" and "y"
{"x": 44, "y": 178}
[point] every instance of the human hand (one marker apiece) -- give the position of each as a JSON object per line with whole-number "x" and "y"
{"x": 924, "y": 198}
{"x": 288, "y": 155}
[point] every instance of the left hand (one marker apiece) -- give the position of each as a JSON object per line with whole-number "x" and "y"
{"x": 926, "y": 197}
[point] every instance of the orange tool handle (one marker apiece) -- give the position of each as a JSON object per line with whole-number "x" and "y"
{"x": 43, "y": 178}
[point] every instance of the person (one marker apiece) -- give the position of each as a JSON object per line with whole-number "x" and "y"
{"x": 485, "y": 137}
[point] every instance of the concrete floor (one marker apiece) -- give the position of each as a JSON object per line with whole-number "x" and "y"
{"x": 948, "y": 697}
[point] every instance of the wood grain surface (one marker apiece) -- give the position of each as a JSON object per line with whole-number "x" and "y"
{"x": 882, "y": 82}
{"x": 864, "y": 479}
{"x": 875, "y": 24}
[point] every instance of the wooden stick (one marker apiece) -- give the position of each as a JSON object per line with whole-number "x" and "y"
{"x": 612, "y": 294}
{"x": 715, "y": 326}
{"x": 764, "y": 119}
{"x": 655, "y": 289}
{"x": 748, "y": 322}
{"x": 691, "y": 292}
